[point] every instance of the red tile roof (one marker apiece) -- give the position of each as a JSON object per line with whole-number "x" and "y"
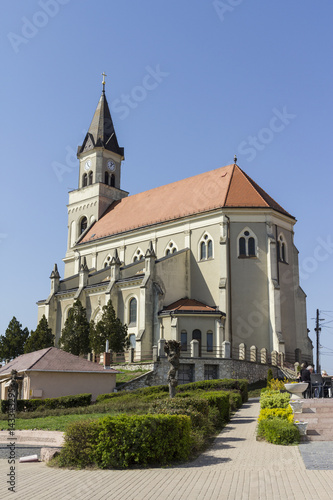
{"x": 189, "y": 305}
{"x": 52, "y": 359}
{"x": 224, "y": 187}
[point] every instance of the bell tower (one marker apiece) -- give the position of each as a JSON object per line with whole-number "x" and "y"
{"x": 100, "y": 160}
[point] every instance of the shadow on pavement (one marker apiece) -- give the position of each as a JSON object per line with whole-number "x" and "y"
{"x": 242, "y": 420}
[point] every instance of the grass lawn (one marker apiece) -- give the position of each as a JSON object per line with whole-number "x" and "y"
{"x": 54, "y": 423}
{"x": 128, "y": 375}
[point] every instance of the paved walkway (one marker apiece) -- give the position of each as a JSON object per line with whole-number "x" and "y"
{"x": 237, "y": 467}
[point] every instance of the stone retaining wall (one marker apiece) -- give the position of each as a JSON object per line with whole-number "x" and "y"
{"x": 227, "y": 368}
{"x": 133, "y": 366}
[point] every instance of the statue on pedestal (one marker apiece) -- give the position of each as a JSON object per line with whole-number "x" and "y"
{"x": 172, "y": 350}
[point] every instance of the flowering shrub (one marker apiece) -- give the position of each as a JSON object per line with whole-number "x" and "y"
{"x": 274, "y": 399}
{"x": 269, "y": 413}
{"x": 277, "y": 385}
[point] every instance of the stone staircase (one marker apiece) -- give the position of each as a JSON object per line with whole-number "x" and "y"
{"x": 318, "y": 412}
{"x": 285, "y": 372}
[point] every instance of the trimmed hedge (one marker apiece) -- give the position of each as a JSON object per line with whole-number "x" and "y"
{"x": 112, "y": 395}
{"x": 224, "y": 384}
{"x": 269, "y": 413}
{"x": 124, "y": 441}
{"x": 219, "y": 400}
{"x": 31, "y": 405}
{"x": 240, "y": 385}
{"x": 157, "y": 390}
{"x": 235, "y": 400}
{"x": 195, "y": 408}
{"x": 274, "y": 399}
{"x": 196, "y": 399}
{"x": 278, "y": 431}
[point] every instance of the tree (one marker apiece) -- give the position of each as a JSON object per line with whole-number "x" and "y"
{"x": 75, "y": 334}
{"x": 41, "y": 338}
{"x": 109, "y": 328}
{"x": 12, "y": 343}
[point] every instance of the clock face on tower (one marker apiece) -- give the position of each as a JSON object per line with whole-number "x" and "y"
{"x": 87, "y": 165}
{"x": 111, "y": 166}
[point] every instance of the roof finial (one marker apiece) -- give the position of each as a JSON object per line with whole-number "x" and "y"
{"x": 103, "y": 82}
{"x": 235, "y": 159}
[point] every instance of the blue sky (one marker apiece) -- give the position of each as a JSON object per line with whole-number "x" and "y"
{"x": 220, "y": 71}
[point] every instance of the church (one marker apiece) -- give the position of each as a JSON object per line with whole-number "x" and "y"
{"x": 209, "y": 258}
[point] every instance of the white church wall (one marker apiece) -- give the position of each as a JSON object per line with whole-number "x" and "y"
{"x": 249, "y": 288}
{"x": 172, "y": 273}
{"x": 205, "y": 273}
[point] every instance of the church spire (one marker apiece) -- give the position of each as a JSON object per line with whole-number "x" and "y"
{"x": 101, "y": 133}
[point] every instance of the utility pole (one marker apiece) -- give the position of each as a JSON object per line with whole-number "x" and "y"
{"x": 317, "y": 330}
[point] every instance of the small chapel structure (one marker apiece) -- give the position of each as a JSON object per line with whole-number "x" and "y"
{"x": 208, "y": 258}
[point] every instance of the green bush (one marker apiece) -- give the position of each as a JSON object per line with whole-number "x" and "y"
{"x": 235, "y": 400}
{"x": 195, "y": 408}
{"x": 103, "y": 397}
{"x": 274, "y": 399}
{"x": 123, "y": 441}
{"x": 218, "y": 399}
{"x": 145, "y": 391}
{"x": 278, "y": 431}
{"x": 80, "y": 442}
{"x": 268, "y": 413}
{"x": 44, "y": 412}
{"x": 225, "y": 384}
{"x": 31, "y": 405}
{"x": 153, "y": 396}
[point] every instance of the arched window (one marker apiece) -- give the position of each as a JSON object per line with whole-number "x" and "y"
{"x": 242, "y": 247}
{"x": 282, "y": 249}
{"x": 202, "y": 250}
{"x": 112, "y": 180}
{"x": 138, "y": 255}
{"x": 171, "y": 248}
{"x": 106, "y": 178}
{"x": 209, "y": 249}
{"x": 83, "y": 224}
{"x": 247, "y": 244}
{"x": 85, "y": 180}
{"x": 252, "y": 247}
{"x": 206, "y": 247}
{"x": 209, "y": 341}
{"x": 132, "y": 311}
{"x": 90, "y": 178}
{"x": 183, "y": 340}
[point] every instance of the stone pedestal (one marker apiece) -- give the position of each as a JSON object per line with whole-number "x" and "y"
{"x": 226, "y": 349}
{"x": 302, "y": 427}
{"x": 160, "y": 348}
{"x": 296, "y": 406}
{"x": 194, "y": 348}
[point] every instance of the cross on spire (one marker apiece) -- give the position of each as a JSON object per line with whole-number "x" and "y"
{"x": 103, "y": 82}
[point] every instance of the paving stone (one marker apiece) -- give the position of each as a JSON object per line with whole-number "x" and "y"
{"x": 317, "y": 455}
{"x": 236, "y": 467}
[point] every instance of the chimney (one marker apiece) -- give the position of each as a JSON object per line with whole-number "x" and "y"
{"x": 106, "y": 356}
{"x": 106, "y": 360}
